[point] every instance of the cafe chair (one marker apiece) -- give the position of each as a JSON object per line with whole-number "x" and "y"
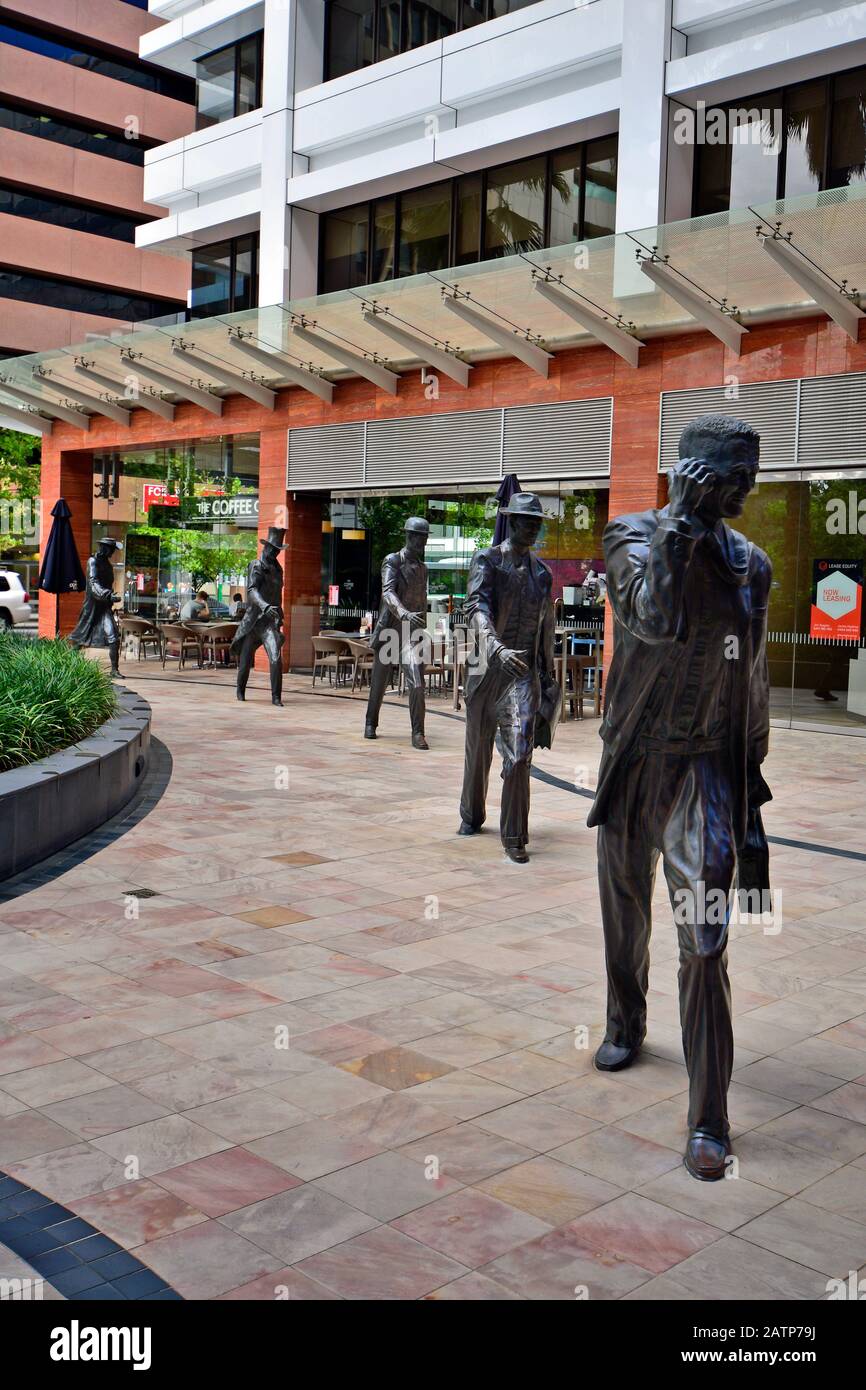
{"x": 363, "y": 659}
{"x": 217, "y": 640}
{"x": 139, "y": 634}
{"x": 330, "y": 654}
{"x": 183, "y": 641}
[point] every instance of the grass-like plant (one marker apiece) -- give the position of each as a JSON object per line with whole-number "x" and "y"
{"x": 50, "y": 697}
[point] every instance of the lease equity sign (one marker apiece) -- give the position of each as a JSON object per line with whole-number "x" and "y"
{"x": 837, "y": 599}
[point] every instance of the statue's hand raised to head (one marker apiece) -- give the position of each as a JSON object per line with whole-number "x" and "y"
{"x": 689, "y": 481}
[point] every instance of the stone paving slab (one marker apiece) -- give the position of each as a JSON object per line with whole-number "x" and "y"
{"x": 288, "y": 1035}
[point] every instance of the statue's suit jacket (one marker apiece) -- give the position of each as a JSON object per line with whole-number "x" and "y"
{"x": 491, "y": 591}
{"x": 647, "y": 556}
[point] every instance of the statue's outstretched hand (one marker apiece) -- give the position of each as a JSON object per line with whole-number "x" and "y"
{"x": 689, "y": 481}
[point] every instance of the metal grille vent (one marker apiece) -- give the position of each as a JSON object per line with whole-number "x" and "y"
{"x": 566, "y": 440}
{"x": 326, "y": 456}
{"x": 769, "y": 406}
{"x": 458, "y": 446}
{"x": 832, "y": 415}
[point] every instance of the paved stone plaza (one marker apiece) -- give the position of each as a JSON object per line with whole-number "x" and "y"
{"x": 440, "y": 1007}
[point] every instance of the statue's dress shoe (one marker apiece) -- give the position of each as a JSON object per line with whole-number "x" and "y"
{"x": 419, "y": 741}
{"x": 705, "y": 1156}
{"x": 466, "y": 829}
{"x": 611, "y": 1057}
{"x": 277, "y": 701}
{"x": 517, "y": 854}
{"x": 241, "y": 695}
{"x": 370, "y": 731}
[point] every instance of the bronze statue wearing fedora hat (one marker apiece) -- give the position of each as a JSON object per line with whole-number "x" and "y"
{"x": 261, "y": 625}
{"x": 398, "y": 636}
{"x": 97, "y": 625}
{"x": 510, "y": 683}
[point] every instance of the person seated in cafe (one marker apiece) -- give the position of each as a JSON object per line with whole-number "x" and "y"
{"x": 196, "y": 610}
{"x": 237, "y": 607}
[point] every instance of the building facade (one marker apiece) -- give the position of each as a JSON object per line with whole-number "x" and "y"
{"x": 79, "y": 109}
{"x": 434, "y": 243}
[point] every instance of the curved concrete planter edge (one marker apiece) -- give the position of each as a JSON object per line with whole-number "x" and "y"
{"x": 47, "y": 805}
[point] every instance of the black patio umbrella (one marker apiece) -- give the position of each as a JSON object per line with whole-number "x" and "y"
{"x": 61, "y": 571}
{"x": 504, "y": 493}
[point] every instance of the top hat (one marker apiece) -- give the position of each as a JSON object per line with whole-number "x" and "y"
{"x": 524, "y": 504}
{"x": 110, "y": 540}
{"x": 417, "y": 523}
{"x": 274, "y": 537}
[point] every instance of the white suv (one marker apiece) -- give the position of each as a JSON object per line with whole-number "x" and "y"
{"x": 14, "y": 600}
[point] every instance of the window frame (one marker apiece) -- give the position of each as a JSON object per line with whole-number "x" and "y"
{"x": 403, "y": 29}
{"x": 786, "y": 90}
{"x": 253, "y": 238}
{"x": 453, "y": 186}
{"x": 235, "y": 47}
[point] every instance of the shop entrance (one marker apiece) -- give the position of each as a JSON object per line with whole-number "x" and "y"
{"x": 187, "y": 515}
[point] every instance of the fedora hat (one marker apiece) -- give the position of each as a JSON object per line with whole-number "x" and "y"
{"x": 524, "y": 504}
{"x": 274, "y": 537}
{"x": 110, "y": 540}
{"x": 417, "y": 523}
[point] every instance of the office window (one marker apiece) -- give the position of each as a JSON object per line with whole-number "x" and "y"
{"x": 344, "y": 248}
{"x": 429, "y": 20}
{"x": 63, "y": 212}
{"x": 361, "y": 32}
{"x": 86, "y": 299}
{"x": 549, "y": 200}
{"x": 467, "y": 236}
{"x": 224, "y": 277}
{"x": 514, "y": 208}
{"x": 384, "y": 249}
{"x": 65, "y": 131}
{"x": 425, "y": 229}
{"x": 229, "y": 82}
{"x": 848, "y": 131}
{"x": 599, "y": 181}
{"x": 782, "y": 144}
{"x": 806, "y": 138}
{"x": 93, "y": 59}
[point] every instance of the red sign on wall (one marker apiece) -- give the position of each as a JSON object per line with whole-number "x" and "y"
{"x": 158, "y": 493}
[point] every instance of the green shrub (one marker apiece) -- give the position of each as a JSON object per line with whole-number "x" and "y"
{"x": 50, "y": 697}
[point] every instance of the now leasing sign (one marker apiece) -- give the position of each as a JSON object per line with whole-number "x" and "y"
{"x": 242, "y": 509}
{"x": 837, "y": 599}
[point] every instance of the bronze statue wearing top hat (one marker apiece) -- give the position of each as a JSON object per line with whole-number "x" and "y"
{"x": 686, "y": 726}
{"x": 261, "y": 625}
{"x": 97, "y": 625}
{"x": 398, "y": 637}
{"x": 510, "y": 682}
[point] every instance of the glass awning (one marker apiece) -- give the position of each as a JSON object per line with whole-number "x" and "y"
{"x": 725, "y": 272}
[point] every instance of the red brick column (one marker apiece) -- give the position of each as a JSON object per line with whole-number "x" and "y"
{"x": 302, "y": 561}
{"x": 67, "y": 474}
{"x": 635, "y": 483}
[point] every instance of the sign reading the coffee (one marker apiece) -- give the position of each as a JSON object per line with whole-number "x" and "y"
{"x": 242, "y": 509}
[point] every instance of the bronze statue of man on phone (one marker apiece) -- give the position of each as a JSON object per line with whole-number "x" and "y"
{"x": 685, "y": 731}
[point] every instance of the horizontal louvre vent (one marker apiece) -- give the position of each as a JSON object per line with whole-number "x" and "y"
{"x": 569, "y": 440}
{"x": 463, "y": 446}
{"x": 326, "y": 456}
{"x": 832, "y": 413}
{"x": 770, "y": 407}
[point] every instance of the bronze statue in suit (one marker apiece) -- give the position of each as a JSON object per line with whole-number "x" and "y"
{"x": 399, "y": 637}
{"x": 510, "y": 684}
{"x": 686, "y": 725}
{"x": 97, "y": 625}
{"x": 262, "y": 622}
